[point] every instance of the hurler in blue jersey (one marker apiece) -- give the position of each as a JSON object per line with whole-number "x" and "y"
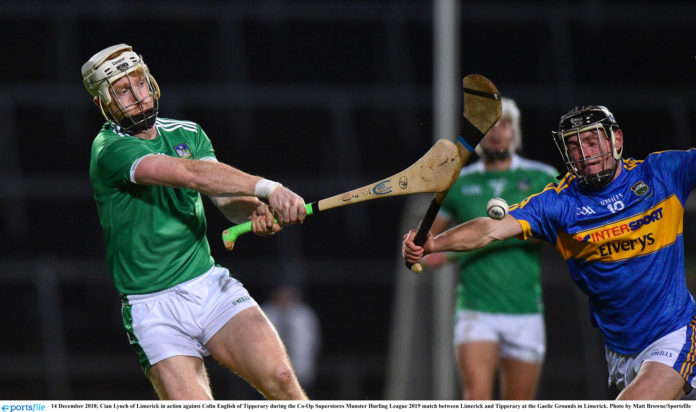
{"x": 618, "y": 224}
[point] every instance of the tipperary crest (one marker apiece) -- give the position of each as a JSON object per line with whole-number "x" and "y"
{"x": 183, "y": 151}
{"x": 640, "y": 188}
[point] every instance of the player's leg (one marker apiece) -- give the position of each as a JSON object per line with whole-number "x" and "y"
{"x": 476, "y": 343}
{"x": 662, "y": 371}
{"x": 180, "y": 378}
{"x": 249, "y": 345}
{"x": 478, "y": 362}
{"x": 161, "y": 332}
{"x": 522, "y": 350}
{"x": 518, "y": 379}
{"x": 654, "y": 381}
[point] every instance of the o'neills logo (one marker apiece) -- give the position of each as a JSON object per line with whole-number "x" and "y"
{"x": 640, "y": 188}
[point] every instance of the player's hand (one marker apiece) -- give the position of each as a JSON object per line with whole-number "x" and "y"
{"x": 412, "y": 253}
{"x": 263, "y": 221}
{"x": 289, "y": 207}
{"x": 434, "y": 260}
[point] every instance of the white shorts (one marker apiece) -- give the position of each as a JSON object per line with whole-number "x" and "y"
{"x": 521, "y": 337}
{"x": 180, "y": 320}
{"x": 676, "y": 350}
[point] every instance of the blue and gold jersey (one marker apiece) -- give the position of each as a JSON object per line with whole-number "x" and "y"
{"x": 623, "y": 245}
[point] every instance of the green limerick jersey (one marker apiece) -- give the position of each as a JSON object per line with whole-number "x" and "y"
{"x": 503, "y": 277}
{"x": 155, "y": 235}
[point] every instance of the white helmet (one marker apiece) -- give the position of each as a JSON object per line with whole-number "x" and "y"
{"x": 103, "y": 69}
{"x": 512, "y": 112}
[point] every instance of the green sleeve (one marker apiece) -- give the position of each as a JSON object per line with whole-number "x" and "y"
{"x": 116, "y": 158}
{"x": 204, "y": 146}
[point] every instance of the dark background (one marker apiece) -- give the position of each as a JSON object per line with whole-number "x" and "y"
{"x": 323, "y": 96}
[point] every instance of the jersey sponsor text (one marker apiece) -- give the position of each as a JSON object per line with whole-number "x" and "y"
{"x": 634, "y": 236}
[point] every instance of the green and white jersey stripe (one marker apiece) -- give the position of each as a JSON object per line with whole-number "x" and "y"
{"x": 503, "y": 277}
{"x": 155, "y": 236}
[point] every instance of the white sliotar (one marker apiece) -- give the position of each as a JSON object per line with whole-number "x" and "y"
{"x": 496, "y": 208}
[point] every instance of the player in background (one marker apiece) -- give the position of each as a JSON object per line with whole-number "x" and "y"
{"x": 148, "y": 174}
{"x": 298, "y": 326}
{"x": 618, "y": 224}
{"x": 499, "y": 321}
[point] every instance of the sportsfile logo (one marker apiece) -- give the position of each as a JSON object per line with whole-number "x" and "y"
{"x": 27, "y": 407}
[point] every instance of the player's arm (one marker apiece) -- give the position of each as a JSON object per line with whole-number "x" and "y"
{"x": 439, "y": 225}
{"x": 237, "y": 209}
{"x": 248, "y": 208}
{"x": 210, "y": 178}
{"x": 218, "y": 180}
{"x": 435, "y": 260}
{"x": 470, "y": 235}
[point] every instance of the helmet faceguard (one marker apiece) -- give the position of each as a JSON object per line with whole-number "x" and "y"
{"x": 583, "y": 119}
{"x": 511, "y": 112}
{"x": 104, "y": 69}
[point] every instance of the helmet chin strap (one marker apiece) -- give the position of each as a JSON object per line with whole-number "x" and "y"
{"x": 136, "y": 124}
{"x": 494, "y": 156}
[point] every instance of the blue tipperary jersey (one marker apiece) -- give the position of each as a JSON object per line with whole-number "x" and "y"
{"x": 623, "y": 244}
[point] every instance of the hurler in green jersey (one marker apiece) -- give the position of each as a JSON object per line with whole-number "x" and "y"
{"x": 499, "y": 311}
{"x": 503, "y": 277}
{"x": 148, "y": 174}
